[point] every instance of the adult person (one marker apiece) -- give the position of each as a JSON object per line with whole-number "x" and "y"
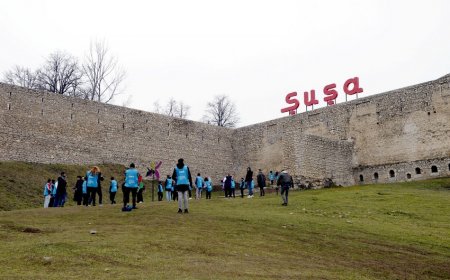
{"x": 92, "y": 183}
{"x": 61, "y": 191}
{"x": 199, "y": 186}
{"x": 131, "y": 185}
{"x": 285, "y": 182}
{"x": 261, "y": 180}
{"x": 277, "y": 175}
{"x": 99, "y": 189}
{"x": 248, "y": 181}
{"x": 169, "y": 188}
{"x": 183, "y": 180}
{"x": 47, "y": 192}
{"x": 78, "y": 190}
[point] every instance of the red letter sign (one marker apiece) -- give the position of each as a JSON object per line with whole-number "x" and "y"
{"x": 290, "y": 100}
{"x": 330, "y": 93}
{"x": 355, "y": 89}
{"x": 307, "y": 100}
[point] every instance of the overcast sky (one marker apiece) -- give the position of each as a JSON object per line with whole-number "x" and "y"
{"x": 253, "y": 51}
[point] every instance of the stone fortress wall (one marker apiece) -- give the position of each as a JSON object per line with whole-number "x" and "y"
{"x": 395, "y": 136}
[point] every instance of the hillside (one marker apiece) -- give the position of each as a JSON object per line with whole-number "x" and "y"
{"x": 22, "y": 184}
{"x": 393, "y": 231}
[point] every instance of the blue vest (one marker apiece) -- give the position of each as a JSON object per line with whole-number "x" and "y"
{"x": 46, "y": 190}
{"x": 131, "y": 178}
{"x": 84, "y": 187}
{"x": 199, "y": 182}
{"x": 182, "y": 175}
{"x": 169, "y": 186}
{"x": 242, "y": 185}
{"x": 113, "y": 186}
{"x": 54, "y": 187}
{"x": 160, "y": 188}
{"x": 208, "y": 186}
{"x": 271, "y": 176}
{"x": 92, "y": 180}
{"x": 233, "y": 184}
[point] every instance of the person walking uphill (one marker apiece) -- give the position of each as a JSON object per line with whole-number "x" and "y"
{"x": 183, "y": 180}
{"x": 285, "y": 181}
{"x": 261, "y": 180}
{"x": 131, "y": 185}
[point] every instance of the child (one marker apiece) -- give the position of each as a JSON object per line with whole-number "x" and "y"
{"x": 277, "y": 175}
{"x": 199, "y": 186}
{"x": 47, "y": 193}
{"x": 53, "y": 194}
{"x": 113, "y": 190}
{"x": 169, "y": 188}
{"x": 242, "y": 187}
{"x": 250, "y": 189}
{"x": 85, "y": 192}
{"x": 160, "y": 191}
{"x": 208, "y": 187}
{"x": 141, "y": 188}
{"x": 233, "y": 188}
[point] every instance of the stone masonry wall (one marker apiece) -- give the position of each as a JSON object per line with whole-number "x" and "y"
{"x": 49, "y": 128}
{"x": 403, "y": 127}
{"x": 400, "y": 130}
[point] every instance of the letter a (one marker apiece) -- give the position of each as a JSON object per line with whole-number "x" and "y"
{"x": 355, "y": 89}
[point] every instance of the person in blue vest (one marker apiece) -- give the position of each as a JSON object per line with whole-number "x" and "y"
{"x": 113, "y": 190}
{"x": 47, "y": 192}
{"x": 160, "y": 191}
{"x": 277, "y": 175}
{"x": 85, "y": 192}
{"x": 92, "y": 183}
{"x": 183, "y": 181}
{"x": 199, "y": 186}
{"x": 169, "y": 188}
{"x": 131, "y": 185}
{"x": 271, "y": 177}
{"x": 250, "y": 189}
{"x": 233, "y": 188}
{"x": 242, "y": 187}
{"x": 208, "y": 187}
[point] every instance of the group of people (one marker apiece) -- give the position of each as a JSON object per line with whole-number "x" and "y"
{"x": 176, "y": 187}
{"x": 55, "y": 192}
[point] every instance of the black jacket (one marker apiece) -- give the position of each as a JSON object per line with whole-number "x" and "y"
{"x": 62, "y": 184}
{"x": 261, "y": 179}
{"x": 249, "y": 176}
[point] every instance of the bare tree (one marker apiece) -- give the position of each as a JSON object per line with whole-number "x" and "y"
{"x": 60, "y": 74}
{"x": 182, "y": 110}
{"x": 172, "y": 108}
{"x": 104, "y": 76}
{"x": 221, "y": 112}
{"x": 21, "y": 76}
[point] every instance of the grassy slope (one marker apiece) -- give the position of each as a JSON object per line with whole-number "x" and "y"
{"x": 396, "y": 231}
{"x": 22, "y": 184}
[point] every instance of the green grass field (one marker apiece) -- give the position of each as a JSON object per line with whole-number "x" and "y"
{"x": 393, "y": 231}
